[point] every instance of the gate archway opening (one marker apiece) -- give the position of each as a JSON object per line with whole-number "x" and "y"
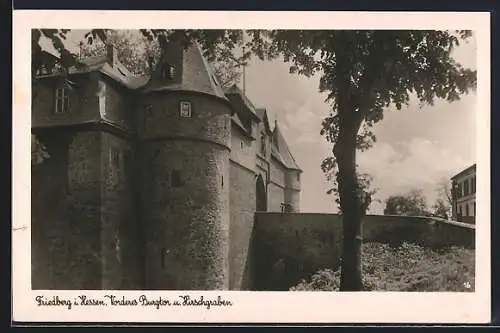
{"x": 261, "y": 196}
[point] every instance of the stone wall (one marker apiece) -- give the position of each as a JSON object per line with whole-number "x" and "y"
{"x": 66, "y": 216}
{"x": 119, "y": 235}
{"x": 275, "y": 197}
{"x": 242, "y": 209}
{"x": 186, "y": 215}
{"x": 288, "y": 247}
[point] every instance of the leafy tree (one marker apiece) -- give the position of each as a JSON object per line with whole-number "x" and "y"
{"x": 441, "y": 209}
{"x": 140, "y": 55}
{"x": 135, "y": 52}
{"x": 364, "y": 72}
{"x": 444, "y": 201}
{"x": 412, "y": 203}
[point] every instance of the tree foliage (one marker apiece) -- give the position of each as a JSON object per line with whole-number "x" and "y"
{"x": 217, "y": 45}
{"x": 412, "y": 203}
{"x": 141, "y": 55}
{"x": 444, "y": 201}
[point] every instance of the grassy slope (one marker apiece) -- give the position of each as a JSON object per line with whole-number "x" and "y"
{"x": 407, "y": 268}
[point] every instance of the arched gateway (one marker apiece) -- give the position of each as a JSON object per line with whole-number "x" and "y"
{"x": 261, "y": 196}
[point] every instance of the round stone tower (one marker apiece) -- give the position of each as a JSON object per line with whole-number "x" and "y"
{"x": 184, "y": 142}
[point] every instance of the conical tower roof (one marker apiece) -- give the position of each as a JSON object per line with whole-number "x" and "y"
{"x": 190, "y": 71}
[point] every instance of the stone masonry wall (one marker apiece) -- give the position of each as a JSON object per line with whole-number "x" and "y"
{"x": 66, "y": 212}
{"x": 49, "y": 184}
{"x": 119, "y": 236}
{"x": 288, "y": 247}
{"x": 186, "y": 215}
{"x": 275, "y": 197}
{"x": 185, "y": 191}
{"x": 242, "y": 207}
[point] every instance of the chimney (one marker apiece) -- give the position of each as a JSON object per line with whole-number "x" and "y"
{"x": 112, "y": 55}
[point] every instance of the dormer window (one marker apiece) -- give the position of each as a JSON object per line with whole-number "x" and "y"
{"x": 167, "y": 72}
{"x": 43, "y": 70}
{"x": 185, "y": 109}
{"x": 62, "y": 100}
{"x": 263, "y": 144}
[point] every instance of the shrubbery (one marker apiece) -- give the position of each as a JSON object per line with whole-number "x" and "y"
{"x": 406, "y": 268}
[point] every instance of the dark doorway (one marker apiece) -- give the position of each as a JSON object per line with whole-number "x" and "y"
{"x": 261, "y": 197}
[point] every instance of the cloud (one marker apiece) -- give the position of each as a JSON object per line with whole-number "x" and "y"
{"x": 417, "y": 163}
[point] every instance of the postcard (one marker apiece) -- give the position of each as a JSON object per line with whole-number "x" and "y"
{"x": 264, "y": 167}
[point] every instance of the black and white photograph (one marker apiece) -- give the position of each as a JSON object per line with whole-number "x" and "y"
{"x": 269, "y": 160}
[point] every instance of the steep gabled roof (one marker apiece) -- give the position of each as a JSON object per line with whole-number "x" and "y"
{"x": 281, "y": 151}
{"x": 236, "y": 121}
{"x": 262, "y": 113}
{"x": 197, "y": 76}
{"x": 235, "y": 91}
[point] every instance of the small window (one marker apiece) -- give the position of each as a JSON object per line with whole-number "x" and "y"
{"x": 167, "y": 72}
{"x": 298, "y": 177}
{"x": 466, "y": 209}
{"x": 115, "y": 157}
{"x": 222, "y": 181}
{"x": 241, "y": 144}
{"x": 176, "y": 178}
{"x": 185, "y": 109}
{"x": 474, "y": 211}
{"x": 62, "y": 100}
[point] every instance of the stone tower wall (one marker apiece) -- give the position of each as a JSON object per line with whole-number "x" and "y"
{"x": 292, "y": 189}
{"x": 185, "y": 193}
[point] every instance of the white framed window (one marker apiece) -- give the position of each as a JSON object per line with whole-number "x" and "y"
{"x": 185, "y": 109}
{"x": 62, "y": 100}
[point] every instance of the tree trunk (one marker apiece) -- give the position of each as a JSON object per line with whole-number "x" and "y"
{"x": 352, "y": 215}
{"x": 350, "y": 201}
{"x": 350, "y": 118}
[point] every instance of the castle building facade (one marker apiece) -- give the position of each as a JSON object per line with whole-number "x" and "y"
{"x": 152, "y": 182}
{"x": 464, "y": 195}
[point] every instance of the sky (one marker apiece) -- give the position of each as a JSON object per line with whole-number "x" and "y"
{"x": 416, "y": 148}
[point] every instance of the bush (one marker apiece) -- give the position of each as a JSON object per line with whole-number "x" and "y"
{"x": 406, "y": 268}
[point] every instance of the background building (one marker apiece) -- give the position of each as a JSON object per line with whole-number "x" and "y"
{"x": 464, "y": 195}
